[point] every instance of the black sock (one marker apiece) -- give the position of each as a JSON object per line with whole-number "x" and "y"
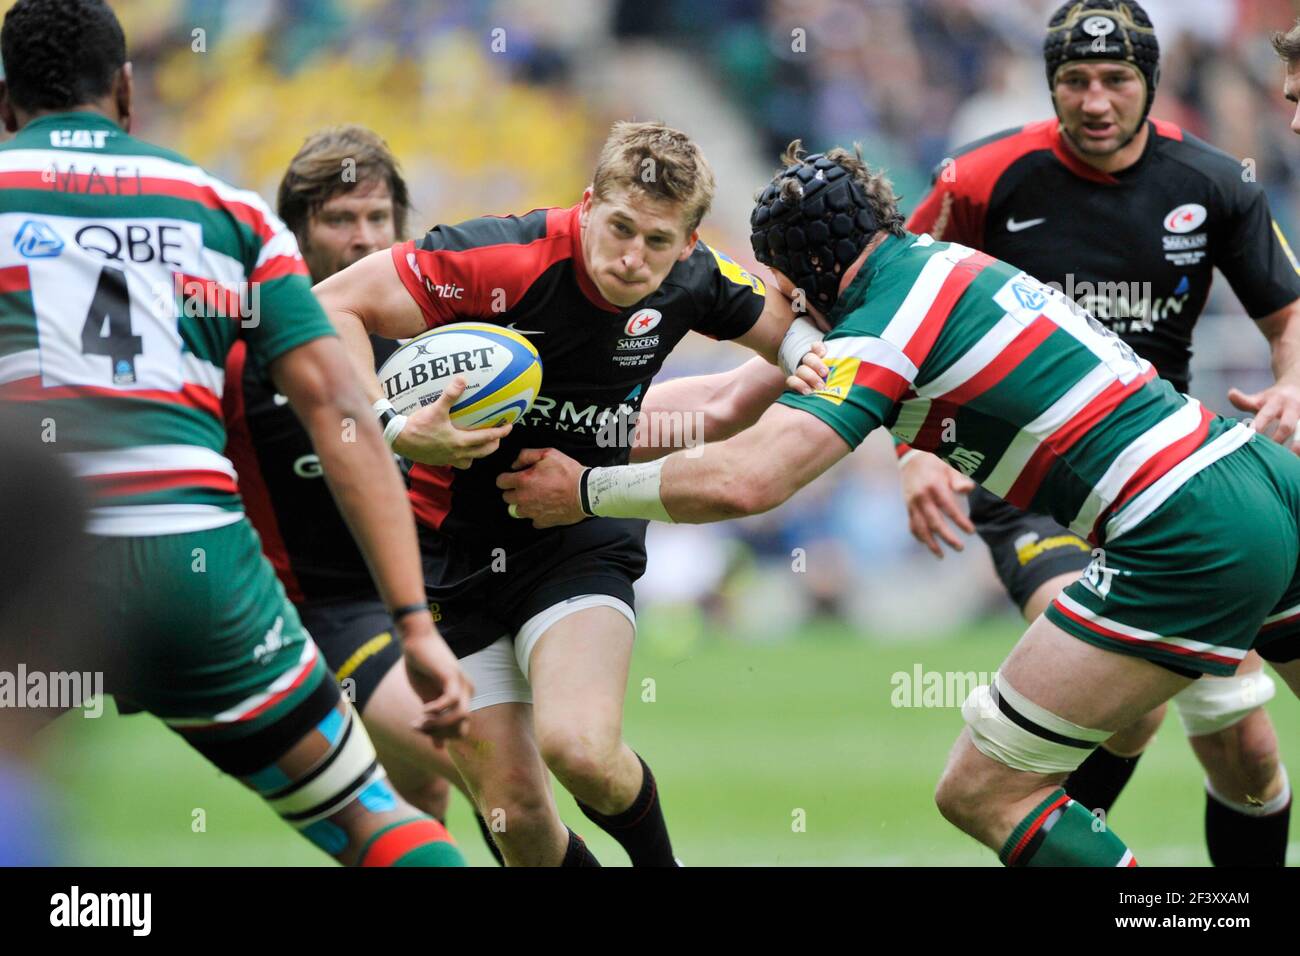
{"x": 1243, "y": 839}
{"x": 487, "y": 838}
{"x": 640, "y": 829}
{"x": 1097, "y": 782}
{"x": 577, "y": 854}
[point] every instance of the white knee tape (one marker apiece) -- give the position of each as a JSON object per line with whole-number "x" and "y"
{"x": 1013, "y": 730}
{"x": 347, "y": 769}
{"x": 1211, "y": 704}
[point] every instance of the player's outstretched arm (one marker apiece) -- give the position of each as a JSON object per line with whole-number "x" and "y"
{"x": 367, "y": 298}
{"x": 704, "y": 408}
{"x": 324, "y": 391}
{"x": 751, "y": 473}
{"x": 1277, "y": 408}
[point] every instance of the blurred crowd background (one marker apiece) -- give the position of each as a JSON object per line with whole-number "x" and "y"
{"x": 499, "y": 106}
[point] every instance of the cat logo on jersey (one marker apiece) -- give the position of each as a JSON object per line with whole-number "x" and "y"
{"x": 840, "y": 380}
{"x": 732, "y": 270}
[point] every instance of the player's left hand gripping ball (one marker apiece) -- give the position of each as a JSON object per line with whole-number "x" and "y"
{"x": 543, "y": 487}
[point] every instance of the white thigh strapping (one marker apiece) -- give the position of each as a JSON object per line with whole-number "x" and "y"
{"x": 538, "y": 624}
{"x": 1211, "y": 704}
{"x": 496, "y": 676}
{"x": 1042, "y": 750}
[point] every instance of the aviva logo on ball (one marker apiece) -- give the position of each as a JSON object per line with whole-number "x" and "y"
{"x": 501, "y": 367}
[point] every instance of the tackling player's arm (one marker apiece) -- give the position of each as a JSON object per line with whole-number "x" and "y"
{"x": 1278, "y": 407}
{"x": 368, "y": 298}
{"x": 726, "y": 402}
{"x": 738, "y": 477}
{"x": 1254, "y": 256}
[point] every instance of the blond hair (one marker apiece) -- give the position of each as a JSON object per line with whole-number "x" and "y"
{"x": 660, "y": 162}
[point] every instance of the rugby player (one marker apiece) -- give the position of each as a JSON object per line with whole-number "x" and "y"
{"x": 1130, "y": 217}
{"x": 543, "y": 622}
{"x": 343, "y": 197}
{"x": 126, "y": 275}
{"x": 1195, "y": 518}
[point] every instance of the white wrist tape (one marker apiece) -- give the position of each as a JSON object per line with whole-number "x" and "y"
{"x": 625, "y": 491}
{"x": 391, "y": 422}
{"x": 907, "y": 456}
{"x": 394, "y": 428}
{"x": 797, "y": 343}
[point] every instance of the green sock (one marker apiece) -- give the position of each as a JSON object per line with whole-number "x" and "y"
{"x": 1060, "y": 832}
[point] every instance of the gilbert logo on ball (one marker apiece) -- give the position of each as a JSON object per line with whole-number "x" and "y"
{"x": 642, "y": 321}
{"x": 502, "y": 370}
{"x": 1185, "y": 218}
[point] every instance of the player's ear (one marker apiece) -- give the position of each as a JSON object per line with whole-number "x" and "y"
{"x": 122, "y": 95}
{"x": 690, "y": 245}
{"x": 584, "y": 211}
{"x": 7, "y": 109}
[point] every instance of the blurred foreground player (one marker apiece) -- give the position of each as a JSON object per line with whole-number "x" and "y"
{"x": 127, "y": 273}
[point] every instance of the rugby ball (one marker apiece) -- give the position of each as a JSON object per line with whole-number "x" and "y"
{"x": 501, "y": 367}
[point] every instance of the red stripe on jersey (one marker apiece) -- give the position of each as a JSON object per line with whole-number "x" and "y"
{"x": 144, "y": 186}
{"x": 488, "y": 280}
{"x": 1139, "y": 642}
{"x": 190, "y": 396}
{"x": 1004, "y": 363}
{"x": 880, "y": 379}
{"x": 252, "y": 484}
{"x": 1281, "y": 622}
{"x": 216, "y": 297}
{"x": 958, "y": 281}
{"x": 307, "y": 669}
{"x": 1034, "y": 827}
{"x": 14, "y": 279}
{"x": 930, "y": 435}
{"x": 430, "y": 494}
{"x": 279, "y": 266}
{"x": 1031, "y": 477}
{"x": 955, "y": 209}
{"x": 1168, "y": 130}
{"x": 391, "y": 845}
{"x": 123, "y": 483}
{"x": 1157, "y": 466}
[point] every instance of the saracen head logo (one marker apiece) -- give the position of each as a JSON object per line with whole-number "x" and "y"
{"x": 642, "y": 321}
{"x": 1185, "y": 218}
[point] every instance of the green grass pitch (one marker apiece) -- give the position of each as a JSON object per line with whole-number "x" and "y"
{"x": 746, "y": 741}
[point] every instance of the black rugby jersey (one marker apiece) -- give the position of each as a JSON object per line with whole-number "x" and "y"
{"x": 285, "y": 496}
{"x": 1137, "y": 248}
{"x": 526, "y": 273}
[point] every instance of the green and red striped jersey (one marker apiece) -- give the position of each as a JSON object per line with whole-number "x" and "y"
{"x": 126, "y": 274}
{"x": 1013, "y": 384}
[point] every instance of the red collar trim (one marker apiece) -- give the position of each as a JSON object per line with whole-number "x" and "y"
{"x": 1073, "y": 163}
{"x": 566, "y": 220}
